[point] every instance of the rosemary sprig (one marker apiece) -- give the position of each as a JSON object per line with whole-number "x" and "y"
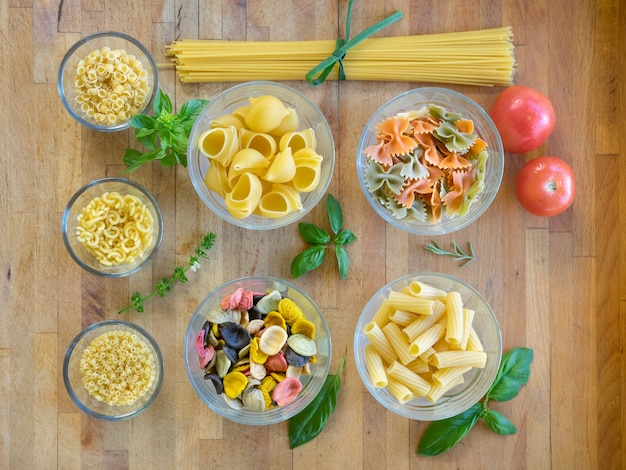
{"x": 457, "y": 254}
{"x": 180, "y": 275}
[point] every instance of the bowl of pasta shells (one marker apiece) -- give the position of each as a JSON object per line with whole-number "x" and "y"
{"x": 430, "y": 161}
{"x": 113, "y": 370}
{"x": 112, "y": 227}
{"x": 261, "y": 155}
{"x": 427, "y": 346}
{"x": 257, "y": 350}
{"x": 105, "y": 79}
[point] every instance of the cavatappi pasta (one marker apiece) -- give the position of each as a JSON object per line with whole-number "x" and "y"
{"x": 260, "y": 161}
{"x": 483, "y": 57}
{"x": 117, "y": 368}
{"x": 115, "y": 228}
{"x": 421, "y": 359}
{"x": 111, "y": 86}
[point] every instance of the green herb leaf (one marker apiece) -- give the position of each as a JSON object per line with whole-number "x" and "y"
{"x": 307, "y": 424}
{"x": 308, "y": 260}
{"x": 344, "y": 237}
{"x": 442, "y": 435}
{"x": 513, "y": 373}
{"x": 162, "y": 103}
{"x": 343, "y": 261}
{"x": 457, "y": 252}
{"x": 335, "y": 215}
{"x": 498, "y": 423}
{"x": 312, "y": 234}
{"x": 190, "y": 111}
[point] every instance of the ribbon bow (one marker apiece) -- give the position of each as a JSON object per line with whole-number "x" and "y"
{"x": 318, "y": 74}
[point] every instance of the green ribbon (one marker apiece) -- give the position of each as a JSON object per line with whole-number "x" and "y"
{"x": 318, "y": 74}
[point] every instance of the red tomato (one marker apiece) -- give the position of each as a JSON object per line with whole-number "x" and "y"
{"x": 545, "y": 186}
{"x": 524, "y": 118}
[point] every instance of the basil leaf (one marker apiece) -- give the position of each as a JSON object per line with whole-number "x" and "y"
{"x": 312, "y": 234}
{"x": 139, "y": 121}
{"x": 162, "y": 103}
{"x": 308, "y": 260}
{"x": 343, "y": 261}
{"x": 442, "y": 435}
{"x": 498, "y": 423}
{"x": 344, "y": 237}
{"x": 191, "y": 109}
{"x": 513, "y": 373}
{"x": 335, "y": 215}
{"x": 307, "y": 424}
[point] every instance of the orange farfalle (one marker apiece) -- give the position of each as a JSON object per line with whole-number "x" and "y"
{"x": 478, "y": 146}
{"x": 435, "y": 173}
{"x": 461, "y": 182}
{"x": 378, "y": 153}
{"x": 420, "y": 186}
{"x": 393, "y": 131}
{"x": 431, "y": 155}
{"x": 464, "y": 125}
{"x": 454, "y": 161}
{"x": 434, "y": 199}
{"x": 424, "y": 125}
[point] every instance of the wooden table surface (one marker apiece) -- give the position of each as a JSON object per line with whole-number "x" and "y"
{"x": 556, "y": 285}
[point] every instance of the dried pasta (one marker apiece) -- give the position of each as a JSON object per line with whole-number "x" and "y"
{"x": 117, "y": 368}
{"x": 421, "y": 357}
{"x": 483, "y": 57}
{"x": 115, "y": 228}
{"x": 259, "y": 161}
{"x": 111, "y": 86}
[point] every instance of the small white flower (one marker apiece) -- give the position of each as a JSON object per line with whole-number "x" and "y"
{"x": 195, "y": 266}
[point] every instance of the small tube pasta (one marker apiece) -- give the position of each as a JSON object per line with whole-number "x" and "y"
{"x": 418, "y": 366}
{"x": 473, "y": 342}
{"x": 375, "y": 367}
{"x": 381, "y": 317}
{"x": 398, "y": 342}
{"x": 411, "y": 303}
{"x": 449, "y": 374}
{"x": 444, "y": 359}
{"x": 400, "y": 391}
{"x": 426, "y": 340}
{"x": 421, "y": 289}
{"x": 402, "y": 317}
{"x": 375, "y": 335}
{"x": 454, "y": 315}
{"x": 407, "y": 377}
{"x": 423, "y": 322}
{"x": 468, "y": 318}
{"x": 437, "y": 390}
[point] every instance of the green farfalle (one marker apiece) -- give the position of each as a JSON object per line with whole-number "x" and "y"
{"x": 454, "y": 140}
{"x": 412, "y": 168}
{"x": 416, "y": 212}
{"x": 469, "y": 196}
{"x": 376, "y": 177}
{"x": 442, "y": 113}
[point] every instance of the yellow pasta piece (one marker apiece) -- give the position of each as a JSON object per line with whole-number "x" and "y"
{"x": 411, "y": 303}
{"x": 400, "y": 391}
{"x": 437, "y": 390}
{"x": 263, "y": 143}
{"x": 473, "y": 342}
{"x": 444, "y": 359}
{"x": 245, "y": 196}
{"x": 468, "y": 318}
{"x": 219, "y": 144}
{"x": 282, "y": 169}
{"x": 398, "y": 342}
{"x": 405, "y": 376}
{"x": 402, "y": 317}
{"x": 280, "y": 201}
{"x": 297, "y": 140}
{"x": 454, "y": 315}
{"x": 375, "y": 367}
{"x": 246, "y": 161}
{"x": 426, "y": 340}
{"x": 421, "y": 289}
{"x": 448, "y": 374}
{"x": 375, "y": 335}
{"x": 265, "y": 113}
{"x": 423, "y": 322}
{"x": 418, "y": 366}
{"x": 381, "y": 316}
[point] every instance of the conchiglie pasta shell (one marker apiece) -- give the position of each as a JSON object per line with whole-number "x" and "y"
{"x": 307, "y": 175}
{"x": 298, "y": 140}
{"x": 307, "y": 154}
{"x": 241, "y": 112}
{"x": 282, "y": 169}
{"x": 228, "y": 120}
{"x": 245, "y": 196}
{"x": 289, "y": 123}
{"x": 265, "y": 114}
{"x": 280, "y": 201}
{"x": 263, "y": 143}
{"x": 216, "y": 179}
{"x": 219, "y": 144}
{"x": 247, "y": 161}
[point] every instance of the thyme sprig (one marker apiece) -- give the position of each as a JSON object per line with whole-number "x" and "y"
{"x": 179, "y": 275}
{"x": 457, "y": 254}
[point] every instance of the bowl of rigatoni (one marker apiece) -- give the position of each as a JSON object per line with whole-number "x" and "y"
{"x": 427, "y": 346}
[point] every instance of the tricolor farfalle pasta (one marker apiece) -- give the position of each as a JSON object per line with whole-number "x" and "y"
{"x": 431, "y": 354}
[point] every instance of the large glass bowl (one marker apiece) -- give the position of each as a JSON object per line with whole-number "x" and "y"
{"x": 84, "y": 258}
{"x": 238, "y": 96}
{"x": 477, "y": 381}
{"x": 312, "y": 383}
{"x": 72, "y": 376}
{"x": 484, "y": 127}
{"x": 66, "y": 81}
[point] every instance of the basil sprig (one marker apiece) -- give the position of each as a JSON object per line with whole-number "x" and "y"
{"x": 307, "y": 424}
{"x": 165, "y": 135}
{"x": 319, "y": 239}
{"x": 513, "y": 373}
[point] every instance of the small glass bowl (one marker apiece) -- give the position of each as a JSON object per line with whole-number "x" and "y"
{"x": 73, "y": 379}
{"x": 79, "y": 51}
{"x": 312, "y": 383}
{"x": 235, "y": 97}
{"x": 452, "y": 101}
{"x": 477, "y": 381}
{"x": 81, "y": 198}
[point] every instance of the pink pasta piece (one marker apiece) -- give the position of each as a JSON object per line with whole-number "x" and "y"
{"x": 287, "y": 391}
{"x": 461, "y": 182}
{"x": 420, "y": 186}
{"x": 431, "y": 155}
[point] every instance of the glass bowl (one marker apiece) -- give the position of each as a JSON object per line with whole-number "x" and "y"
{"x": 139, "y": 81}
{"x": 476, "y": 381}
{"x": 73, "y": 377}
{"x": 234, "y": 99}
{"x": 483, "y": 126}
{"x": 86, "y": 258}
{"x": 311, "y": 383}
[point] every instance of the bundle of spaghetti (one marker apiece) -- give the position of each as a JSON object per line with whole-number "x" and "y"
{"x": 482, "y": 57}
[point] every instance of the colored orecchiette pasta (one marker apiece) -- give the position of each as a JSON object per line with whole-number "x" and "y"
{"x": 259, "y": 146}
{"x": 256, "y": 361}
{"x": 426, "y": 163}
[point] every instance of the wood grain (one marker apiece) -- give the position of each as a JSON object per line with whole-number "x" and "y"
{"x": 557, "y": 285}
